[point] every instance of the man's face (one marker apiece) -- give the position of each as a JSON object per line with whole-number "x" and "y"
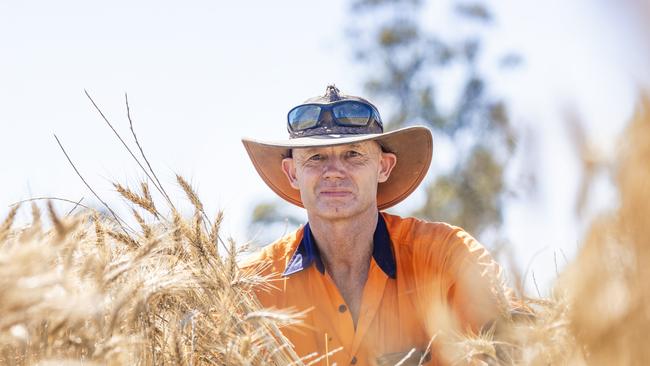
{"x": 339, "y": 182}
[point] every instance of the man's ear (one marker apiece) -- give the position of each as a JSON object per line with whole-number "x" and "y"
{"x": 289, "y": 169}
{"x": 387, "y": 162}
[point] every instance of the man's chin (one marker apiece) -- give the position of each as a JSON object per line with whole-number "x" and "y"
{"x": 335, "y": 211}
{"x": 338, "y": 210}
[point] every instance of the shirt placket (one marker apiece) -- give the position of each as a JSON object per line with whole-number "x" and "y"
{"x": 340, "y": 316}
{"x": 373, "y": 292}
{"x": 337, "y": 312}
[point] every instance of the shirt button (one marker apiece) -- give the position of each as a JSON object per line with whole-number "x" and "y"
{"x": 342, "y": 308}
{"x": 354, "y": 360}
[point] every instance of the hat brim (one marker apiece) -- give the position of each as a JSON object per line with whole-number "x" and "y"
{"x": 413, "y": 147}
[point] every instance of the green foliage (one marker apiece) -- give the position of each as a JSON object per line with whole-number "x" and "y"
{"x": 270, "y": 212}
{"x": 272, "y": 219}
{"x": 473, "y": 186}
{"x": 404, "y": 58}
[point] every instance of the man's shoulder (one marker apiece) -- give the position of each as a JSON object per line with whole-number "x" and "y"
{"x": 410, "y": 230}
{"x": 274, "y": 254}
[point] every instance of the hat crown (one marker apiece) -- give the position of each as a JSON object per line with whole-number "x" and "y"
{"x": 328, "y": 127}
{"x": 332, "y": 93}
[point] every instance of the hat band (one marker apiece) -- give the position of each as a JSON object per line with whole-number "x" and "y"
{"x": 328, "y": 129}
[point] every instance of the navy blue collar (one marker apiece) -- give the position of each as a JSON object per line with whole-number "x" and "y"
{"x": 307, "y": 252}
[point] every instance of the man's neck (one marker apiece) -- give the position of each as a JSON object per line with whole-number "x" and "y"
{"x": 345, "y": 244}
{"x": 345, "y": 247}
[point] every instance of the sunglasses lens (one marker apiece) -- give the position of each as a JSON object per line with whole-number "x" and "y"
{"x": 304, "y": 117}
{"x": 352, "y": 113}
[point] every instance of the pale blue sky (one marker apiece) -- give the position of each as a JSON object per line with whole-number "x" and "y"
{"x": 202, "y": 74}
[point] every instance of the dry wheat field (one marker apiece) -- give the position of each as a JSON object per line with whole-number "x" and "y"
{"x": 87, "y": 289}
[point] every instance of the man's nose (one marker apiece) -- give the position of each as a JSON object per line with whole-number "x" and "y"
{"x": 333, "y": 168}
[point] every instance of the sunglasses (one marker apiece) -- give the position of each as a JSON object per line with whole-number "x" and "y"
{"x": 347, "y": 113}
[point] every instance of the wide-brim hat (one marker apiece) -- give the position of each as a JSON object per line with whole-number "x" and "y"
{"x": 412, "y": 145}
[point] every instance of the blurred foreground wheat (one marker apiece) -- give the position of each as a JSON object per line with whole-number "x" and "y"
{"x": 599, "y": 311}
{"x": 608, "y": 287}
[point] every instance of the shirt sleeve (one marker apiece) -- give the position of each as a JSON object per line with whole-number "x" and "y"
{"x": 476, "y": 291}
{"x": 460, "y": 286}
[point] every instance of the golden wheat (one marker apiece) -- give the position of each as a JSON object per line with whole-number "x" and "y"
{"x": 599, "y": 312}
{"x": 84, "y": 292}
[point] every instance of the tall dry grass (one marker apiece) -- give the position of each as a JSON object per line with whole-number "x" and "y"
{"x": 599, "y": 310}
{"x": 86, "y": 292}
{"x": 608, "y": 287}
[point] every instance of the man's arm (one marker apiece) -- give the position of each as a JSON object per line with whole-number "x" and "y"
{"x": 460, "y": 286}
{"x": 476, "y": 293}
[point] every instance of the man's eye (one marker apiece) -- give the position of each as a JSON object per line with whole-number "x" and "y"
{"x": 316, "y": 157}
{"x": 353, "y": 154}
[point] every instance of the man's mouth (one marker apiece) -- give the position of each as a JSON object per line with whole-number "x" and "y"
{"x": 334, "y": 193}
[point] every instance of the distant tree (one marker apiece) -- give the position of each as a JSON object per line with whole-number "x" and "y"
{"x": 272, "y": 219}
{"x": 403, "y": 60}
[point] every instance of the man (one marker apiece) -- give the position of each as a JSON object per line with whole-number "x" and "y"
{"x": 380, "y": 287}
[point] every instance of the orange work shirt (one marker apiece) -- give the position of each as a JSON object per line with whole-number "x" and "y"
{"x": 425, "y": 281}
